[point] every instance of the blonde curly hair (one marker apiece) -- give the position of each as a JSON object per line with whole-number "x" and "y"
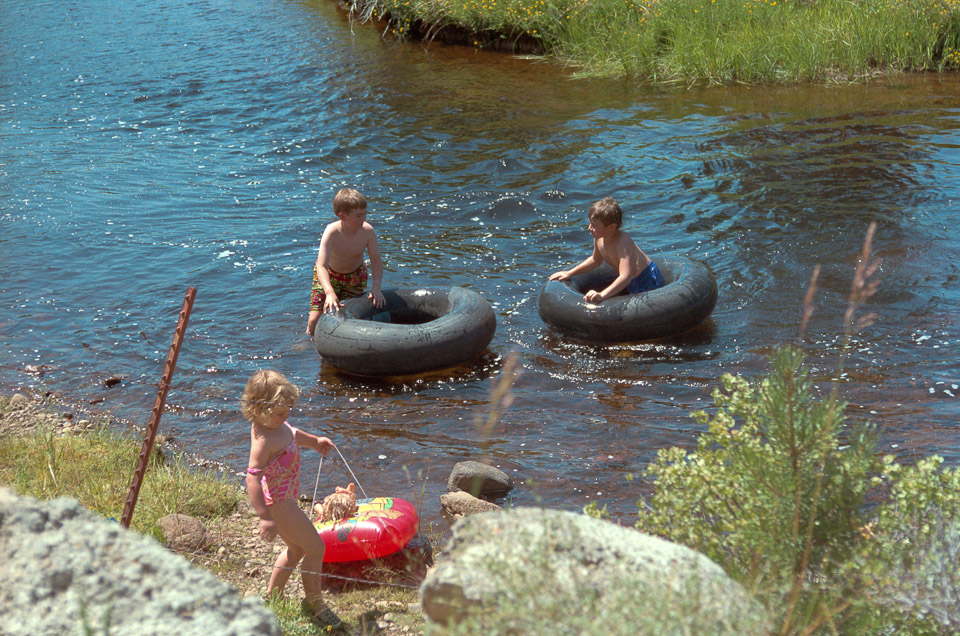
{"x": 267, "y": 391}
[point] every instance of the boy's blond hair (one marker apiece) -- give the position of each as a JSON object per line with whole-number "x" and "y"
{"x": 607, "y": 211}
{"x": 348, "y": 199}
{"x": 267, "y": 391}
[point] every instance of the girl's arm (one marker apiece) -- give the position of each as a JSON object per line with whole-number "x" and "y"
{"x": 255, "y": 491}
{"x": 320, "y": 444}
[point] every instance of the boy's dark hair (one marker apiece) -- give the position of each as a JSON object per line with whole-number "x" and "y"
{"x": 607, "y": 211}
{"x": 348, "y": 199}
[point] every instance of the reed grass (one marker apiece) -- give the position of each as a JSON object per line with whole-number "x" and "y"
{"x": 712, "y": 41}
{"x": 96, "y": 468}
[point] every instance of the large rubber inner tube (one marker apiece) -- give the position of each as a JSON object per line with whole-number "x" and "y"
{"x": 686, "y": 300}
{"x": 419, "y": 329}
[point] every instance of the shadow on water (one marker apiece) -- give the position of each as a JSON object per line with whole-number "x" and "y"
{"x": 686, "y": 347}
{"x": 337, "y": 382}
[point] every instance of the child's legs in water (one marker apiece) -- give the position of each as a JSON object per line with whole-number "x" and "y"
{"x": 302, "y": 541}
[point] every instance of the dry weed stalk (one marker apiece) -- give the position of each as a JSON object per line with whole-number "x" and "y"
{"x": 861, "y": 289}
{"x": 863, "y": 286}
{"x": 501, "y": 397}
{"x": 807, "y": 309}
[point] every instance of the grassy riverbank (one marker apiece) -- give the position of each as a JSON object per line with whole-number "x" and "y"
{"x": 712, "y": 41}
{"x": 45, "y": 455}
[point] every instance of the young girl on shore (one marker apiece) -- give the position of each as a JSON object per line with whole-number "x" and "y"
{"x": 273, "y": 484}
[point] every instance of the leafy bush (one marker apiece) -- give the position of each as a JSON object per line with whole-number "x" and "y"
{"x": 775, "y": 492}
{"x": 913, "y": 559}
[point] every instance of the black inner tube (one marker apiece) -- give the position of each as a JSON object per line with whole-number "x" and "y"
{"x": 399, "y": 311}
{"x": 600, "y": 278}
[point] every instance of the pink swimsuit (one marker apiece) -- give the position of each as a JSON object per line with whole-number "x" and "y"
{"x": 280, "y": 478}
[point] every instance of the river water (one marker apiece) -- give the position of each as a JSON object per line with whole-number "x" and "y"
{"x": 146, "y": 147}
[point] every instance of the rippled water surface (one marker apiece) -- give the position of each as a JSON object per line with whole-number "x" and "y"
{"x": 149, "y": 147}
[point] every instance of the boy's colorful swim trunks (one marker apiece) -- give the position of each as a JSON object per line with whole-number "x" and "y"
{"x": 649, "y": 278}
{"x": 346, "y": 285}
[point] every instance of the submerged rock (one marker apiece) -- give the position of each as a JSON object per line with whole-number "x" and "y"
{"x": 460, "y": 504}
{"x": 479, "y": 479}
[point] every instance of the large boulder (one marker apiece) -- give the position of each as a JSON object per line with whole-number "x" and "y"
{"x": 535, "y": 571}
{"x": 478, "y": 479}
{"x": 65, "y": 570}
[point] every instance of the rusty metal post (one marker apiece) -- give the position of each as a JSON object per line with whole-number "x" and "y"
{"x": 164, "y": 387}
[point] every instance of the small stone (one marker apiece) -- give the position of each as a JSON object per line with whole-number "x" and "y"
{"x": 221, "y": 551}
{"x": 18, "y": 401}
{"x": 460, "y": 504}
{"x": 68, "y": 416}
{"x": 113, "y": 380}
{"x": 183, "y": 532}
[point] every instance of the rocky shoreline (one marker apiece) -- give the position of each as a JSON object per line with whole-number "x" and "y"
{"x": 232, "y": 550}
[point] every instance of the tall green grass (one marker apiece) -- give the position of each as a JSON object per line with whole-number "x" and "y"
{"x": 712, "y": 41}
{"x": 96, "y": 468}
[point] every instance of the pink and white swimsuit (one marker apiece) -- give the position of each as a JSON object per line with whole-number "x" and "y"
{"x": 280, "y": 478}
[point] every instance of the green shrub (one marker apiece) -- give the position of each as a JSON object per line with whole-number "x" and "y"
{"x": 775, "y": 493}
{"x": 913, "y": 559}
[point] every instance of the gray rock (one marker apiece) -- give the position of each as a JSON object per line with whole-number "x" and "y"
{"x": 66, "y": 571}
{"x": 478, "y": 479}
{"x": 183, "y": 532}
{"x": 460, "y": 504}
{"x": 539, "y": 570}
{"x": 18, "y": 401}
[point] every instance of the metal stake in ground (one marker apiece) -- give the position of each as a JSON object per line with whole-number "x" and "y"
{"x": 164, "y": 387}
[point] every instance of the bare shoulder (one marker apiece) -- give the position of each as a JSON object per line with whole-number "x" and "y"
{"x": 259, "y": 449}
{"x": 265, "y": 444}
{"x": 368, "y": 231}
{"x": 626, "y": 245}
{"x": 332, "y": 228}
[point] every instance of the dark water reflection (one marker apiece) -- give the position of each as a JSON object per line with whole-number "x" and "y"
{"x": 148, "y": 147}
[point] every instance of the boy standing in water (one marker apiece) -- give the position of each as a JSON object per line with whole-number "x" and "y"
{"x": 340, "y": 271}
{"x": 635, "y": 271}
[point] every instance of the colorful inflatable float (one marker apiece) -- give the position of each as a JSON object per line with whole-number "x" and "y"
{"x": 381, "y": 526}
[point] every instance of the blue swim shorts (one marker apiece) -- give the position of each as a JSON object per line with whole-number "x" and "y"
{"x": 650, "y": 278}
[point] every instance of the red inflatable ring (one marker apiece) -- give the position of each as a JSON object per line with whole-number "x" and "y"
{"x": 381, "y": 526}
